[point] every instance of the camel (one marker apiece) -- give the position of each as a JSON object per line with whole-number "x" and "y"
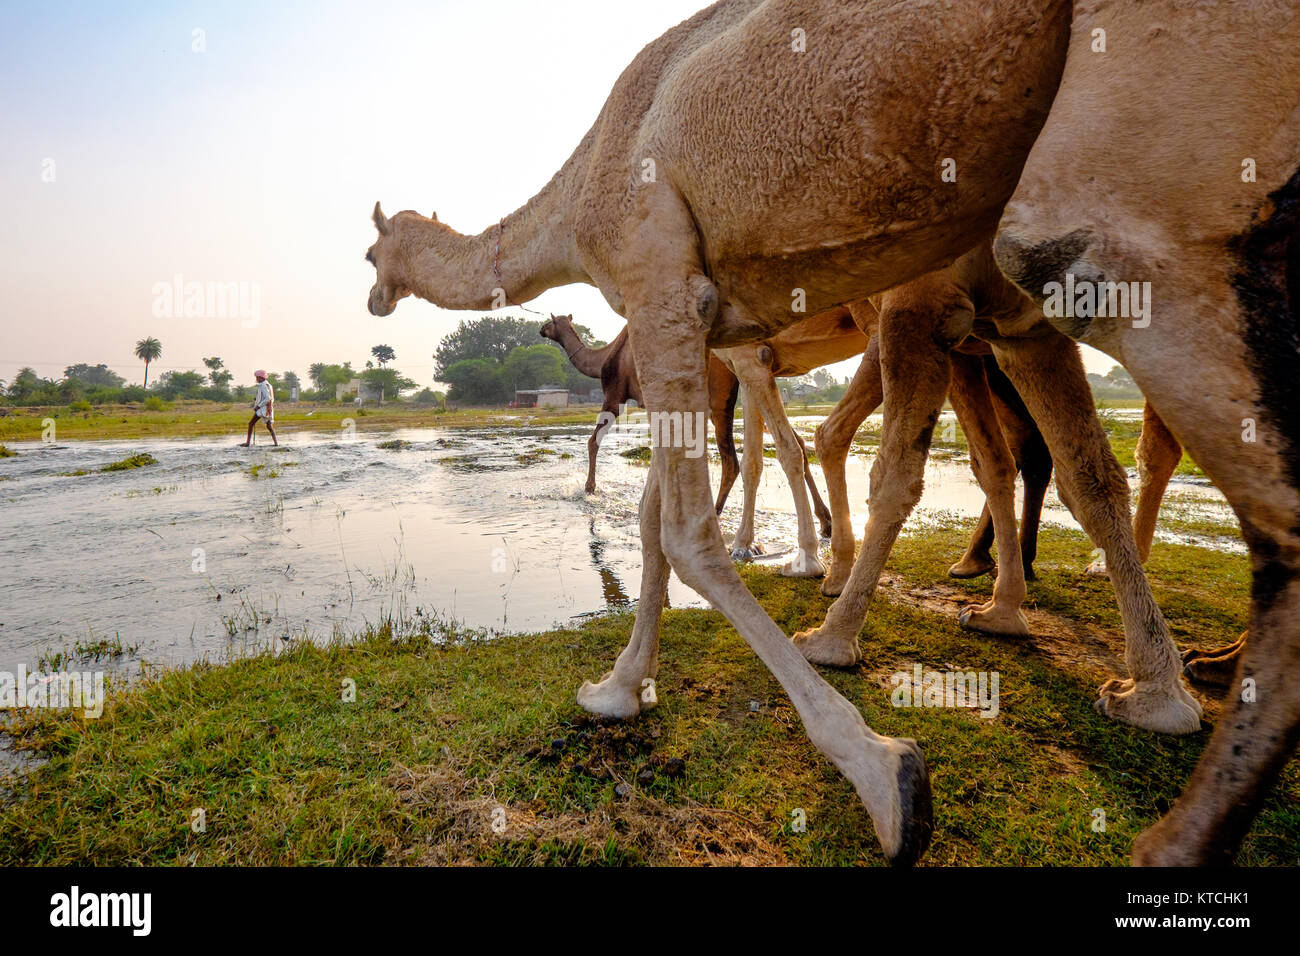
{"x": 1189, "y": 179}
{"x": 818, "y": 340}
{"x": 614, "y": 367}
{"x": 720, "y": 187}
{"x": 1028, "y": 450}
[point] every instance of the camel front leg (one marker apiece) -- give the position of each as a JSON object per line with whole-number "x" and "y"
{"x": 743, "y": 547}
{"x": 629, "y": 688}
{"x": 758, "y": 382}
{"x": 995, "y": 470}
{"x": 608, "y": 415}
{"x": 916, "y": 372}
{"x": 1158, "y": 455}
{"x": 978, "y": 559}
{"x": 833, "y": 440}
{"x": 1049, "y": 376}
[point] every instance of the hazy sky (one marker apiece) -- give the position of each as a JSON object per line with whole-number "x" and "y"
{"x": 257, "y": 158}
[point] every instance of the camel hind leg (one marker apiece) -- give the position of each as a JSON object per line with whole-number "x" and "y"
{"x": 916, "y": 376}
{"x": 760, "y": 384}
{"x": 833, "y": 439}
{"x": 743, "y": 546}
{"x": 1048, "y": 373}
{"x": 723, "y": 389}
{"x": 996, "y": 472}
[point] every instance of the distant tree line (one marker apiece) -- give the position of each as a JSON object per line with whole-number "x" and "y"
{"x": 485, "y": 360}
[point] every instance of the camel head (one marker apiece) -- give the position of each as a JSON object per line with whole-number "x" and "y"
{"x": 388, "y": 257}
{"x": 551, "y": 329}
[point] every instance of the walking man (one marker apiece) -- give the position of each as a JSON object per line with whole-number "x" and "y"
{"x": 263, "y": 408}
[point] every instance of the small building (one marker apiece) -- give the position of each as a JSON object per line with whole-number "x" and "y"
{"x": 545, "y": 397}
{"x": 358, "y": 391}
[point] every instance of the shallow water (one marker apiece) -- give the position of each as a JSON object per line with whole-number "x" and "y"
{"x": 197, "y": 557}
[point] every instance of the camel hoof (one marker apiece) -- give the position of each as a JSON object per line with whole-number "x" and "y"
{"x": 836, "y": 581}
{"x": 609, "y": 698}
{"x": 915, "y": 808}
{"x": 1029, "y": 573}
{"x": 969, "y": 567}
{"x": 743, "y": 553}
{"x": 826, "y": 649}
{"x": 1164, "y": 709}
{"x": 991, "y": 619}
{"x": 803, "y": 565}
{"x": 1211, "y": 671}
{"x": 590, "y": 489}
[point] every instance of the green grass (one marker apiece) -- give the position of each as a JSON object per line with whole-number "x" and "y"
{"x": 191, "y": 419}
{"x": 141, "y": 460}
{"x": 6, "y": 453}
{"x": 441, "y": 736}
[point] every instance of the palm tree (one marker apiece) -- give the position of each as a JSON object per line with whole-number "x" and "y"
{"x": 148, "y": 350}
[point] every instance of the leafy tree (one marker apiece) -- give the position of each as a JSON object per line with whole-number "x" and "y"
{"x": 173, "y": 385}
{"x": 291, "y": 381}
{"x": 390, "y": 382}
{"x": 219, "y": 375}
{"x": 494, "y": 338}
{"x": 531, "y": 366}
{"x": 383, "y": 354}
{"x": 28, "y": 388}
{"x": 94, "y": 376}
{"x": 1119, "y": 377}
{"x": 148, "y": 350}
{"x": 327, "y": 377}
{"x": 473, "y": 381}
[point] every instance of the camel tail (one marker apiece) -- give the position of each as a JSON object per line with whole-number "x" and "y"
{"x": 724, "y": 388}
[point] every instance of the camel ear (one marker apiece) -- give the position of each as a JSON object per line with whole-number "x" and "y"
{"x": 381, "y": 221}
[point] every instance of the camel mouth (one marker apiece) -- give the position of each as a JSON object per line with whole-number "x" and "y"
{"x": 378, "y": 306}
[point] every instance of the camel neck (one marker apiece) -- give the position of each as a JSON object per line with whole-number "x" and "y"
{"x": 528, "y": 252}
{"x": 585, "y": 359}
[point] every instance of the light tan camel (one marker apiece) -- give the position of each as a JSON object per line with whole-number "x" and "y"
{"x": 1187, "y": 177}
{"x": 723, "y": 184}
{"x": 818, "y": 340}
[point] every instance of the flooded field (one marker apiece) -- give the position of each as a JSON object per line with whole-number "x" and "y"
{"x": 216, "y": 550}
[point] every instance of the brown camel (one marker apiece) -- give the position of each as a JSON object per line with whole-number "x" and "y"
{"x": 1188, "y": 179}
{"x": 614, "y": 366}
{"x": 720, "y": 188}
